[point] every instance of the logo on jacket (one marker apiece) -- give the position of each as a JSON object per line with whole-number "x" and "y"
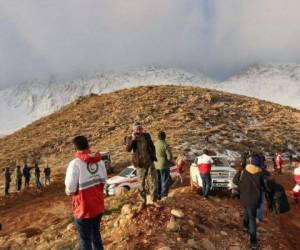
{"x": 93, "y": 168}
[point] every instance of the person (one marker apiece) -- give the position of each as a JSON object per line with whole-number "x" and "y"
{"x": 180, "y": 162}
{"x": 18, "y": 178}
{"x": 84, "y": 181}
{"x": 250, "y": 183}
{"x": 296, "y": 189}
{"x": 7, "y": 180}
{"x": 143, "y": 158}
{"x": 279, "y": 162}
{"x": 27, "y": 175}
{"x": 204, "y": 165}
{"x": 37, "y": 174}
{"x": 162, "y": 165}
{"x": 47, "y": 173}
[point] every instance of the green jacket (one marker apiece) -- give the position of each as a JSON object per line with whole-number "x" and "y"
{"x": 163, "y": 155}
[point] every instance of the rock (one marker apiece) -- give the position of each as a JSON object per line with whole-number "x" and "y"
{"x": 173, "y": 225}
{"x": 193, "y": 244}
{"x": 191, "y": 223}
{"x": 20, "y": 239}
{"x": 177, "y": 213}
{"x": 70, "y": 227}
{"x": 207, "y": 244}
{"x": 223, "y": 233}
{"x": 164, "y": 248}
{"x": 126, "y": 209}
{"x": 120, "y": 191}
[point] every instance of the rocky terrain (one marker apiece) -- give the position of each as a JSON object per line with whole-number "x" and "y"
{"x": 192, "y": 117}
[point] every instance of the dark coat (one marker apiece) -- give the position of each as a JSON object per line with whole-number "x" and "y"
{"x": 250, "y": 183}
{"x": 131, "y": 145}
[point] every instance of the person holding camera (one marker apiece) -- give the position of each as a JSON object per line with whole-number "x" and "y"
{"x": 143, "y": 157}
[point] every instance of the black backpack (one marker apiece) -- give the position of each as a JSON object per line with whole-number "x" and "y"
{"x": 278, "y": 200}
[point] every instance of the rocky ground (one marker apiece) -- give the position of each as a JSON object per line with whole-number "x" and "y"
{"x": 183, "y": 221}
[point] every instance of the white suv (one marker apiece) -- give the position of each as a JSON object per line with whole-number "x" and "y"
{"x": 127, "y": 179}
{"x": 221, "y": 174}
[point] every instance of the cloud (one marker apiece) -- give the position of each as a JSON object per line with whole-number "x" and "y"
{"x": 70, "y": 37}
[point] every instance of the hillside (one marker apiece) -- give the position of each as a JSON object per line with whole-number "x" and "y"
{"x": 225, "y": 122}
{"x": 192, "y": 117}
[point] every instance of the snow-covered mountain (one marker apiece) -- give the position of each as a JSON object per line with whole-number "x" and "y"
{"x": 28, "y": 101}
{"x": 279, "y": 83}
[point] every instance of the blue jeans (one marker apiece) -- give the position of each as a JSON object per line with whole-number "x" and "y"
{"x": 38, "y": 182}
{"x": 89, "y": 233}
{"x": 164, "y": 182}
{"x": 206, "y": 183}
{"x": 260, "y": 210}
{"x": 250, "y": 223}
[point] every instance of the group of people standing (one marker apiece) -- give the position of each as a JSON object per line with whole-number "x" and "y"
{"x": 153, "y": 162}
{"x": 26, "y": 174}
{"x": 86, "y": 176}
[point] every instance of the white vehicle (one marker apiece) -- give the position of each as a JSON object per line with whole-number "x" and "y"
{"x": 128, "y": 179}
{"x": 221, "y": 174}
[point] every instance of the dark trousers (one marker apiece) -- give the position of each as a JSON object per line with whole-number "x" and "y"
{"x": 6, "y": 188}
{"x": 27, "y": 182}
{"x": 47, "y": 179}
{"x": 250, "y": 222}
{"x": 89, "y": 233}
{"x": 19, "y": 184}
{"x": 164, "y": 182}
{"x": 206, "y": 183}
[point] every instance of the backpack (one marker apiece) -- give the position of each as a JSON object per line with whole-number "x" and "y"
{"x": 279, "y": 201}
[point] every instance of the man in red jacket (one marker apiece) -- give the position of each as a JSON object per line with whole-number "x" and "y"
{"x": 279, "y": 162}
{"x": 85, "y": 179}
{"x": 204, "y": 165}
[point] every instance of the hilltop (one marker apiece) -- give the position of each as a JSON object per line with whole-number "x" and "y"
{"x": 192, "y": 117}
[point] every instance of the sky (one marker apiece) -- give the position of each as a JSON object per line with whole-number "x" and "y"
{"x": 67, "y": 38}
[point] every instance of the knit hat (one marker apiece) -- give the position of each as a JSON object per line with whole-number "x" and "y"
{"x": 256, "y": 160}
{"x": 137, "y": 125}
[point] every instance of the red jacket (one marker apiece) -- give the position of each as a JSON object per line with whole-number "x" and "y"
{"x": 85, "y": 179}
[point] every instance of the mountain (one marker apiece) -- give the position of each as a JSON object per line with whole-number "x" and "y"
{"x": 28, "y": 101}
{"x": 193, "y": 118}
{"x": 278, "y": 83}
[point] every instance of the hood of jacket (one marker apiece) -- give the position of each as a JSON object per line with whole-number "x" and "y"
{"x": 252, "y": 169}
{"x": 88, "y": 157}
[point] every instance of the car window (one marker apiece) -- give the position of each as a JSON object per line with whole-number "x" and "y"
{"x": 220, "y": 162}
{"x": 105, "y": 157}
{"x": 126, "y": 172}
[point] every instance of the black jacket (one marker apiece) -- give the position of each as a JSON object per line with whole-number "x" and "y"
{"x": 251, "y": 184}
{"x": 131, "y": 145}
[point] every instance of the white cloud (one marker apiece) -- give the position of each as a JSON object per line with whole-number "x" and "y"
{"x": 67, "y": 37}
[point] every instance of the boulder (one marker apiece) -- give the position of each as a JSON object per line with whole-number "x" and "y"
{"x": 173, "y": 225}
{"x": 207, "y": 244}
{"x": 177, "y": 213}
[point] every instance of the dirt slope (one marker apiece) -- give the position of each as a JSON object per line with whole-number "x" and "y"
{"x": 192, "y": 117}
